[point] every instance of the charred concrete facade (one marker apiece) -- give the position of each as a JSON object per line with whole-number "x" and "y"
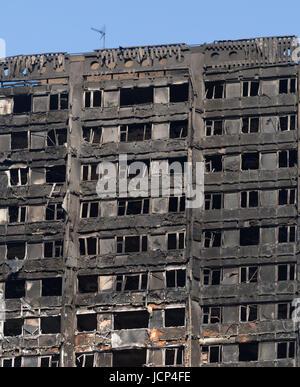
{"x": 147, "y": 282}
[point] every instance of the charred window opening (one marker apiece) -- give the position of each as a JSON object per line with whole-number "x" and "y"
{"x": 250, "y": 161}
{"x": 12, "y": 363}
{"x": 249, "y": 274}
{"x": 287, "y": 196}
{"x": 214, "y": 127}
{"x": 214, "y": 163}
{"x": 176, "y": 278}
{"x": 214, "y": 90}
{"x": 18, "y": 176}
{"x": 249, "y": 199}
{"x": 52, "y": 361}
{"x": 59, "y": 101}
{"x": 13, "y": 327}
{"x": 177, "y": 204}
{"x": 285, "y": 311}
{"x": 250, "y": 125}
{"x": 93, "y": 135}
{"x": 176, "y": 241}
{"x": 287, "y": 123}
{"x": 16, "y": 250}
{"x": 132, "y": 244}
{"x": 174, "y": 356}
{"x": 90, "y": 210}
{"x": 93, "y": 99}
{"x": 212, "y": 239}
{"x": 136, "y": 96}
{"x": 286, "y": 272}
{"x": 19, "y": 140}
{"x": 88, "y": 246}
{"x": 51, "y": 287}
{"x": 135, "y": 132}
{"x": 50, "y": 325}
{"x": 131, "y": 320}
{"x": 85, "y": 360}
{"x": 211, "y": 354}
{"x": 212, "y": 315}
{"x": 213, "y": 202}
{"x": 248, "y": 352}
{"x": 14, "y": 289}
{"x": 251, "y": 89}
{"x": 131, "y": 282}
{"x": 288, "y": 159}
{"x": 55, "y": 212}
{"x": 133, "y": 207}
{"x": 56, "y": 174}
{"x": 175, "y": 317}
{"x": 287, "y": 86}
{"x": 89, "y": 172}
{"x": 53, "y": 249}
{"x": 22, "y": 104}
{"x": 249, "y": 236}
{"x": 286, "y": 350}
{"x": 179, "y": 93}
{"x": 130, "y": 358}
{"x": 17, "y": 214}
{"x": 87, "y": 322}
{"x": 178, "y": 129}
{"x": 248, "y": 313}
{"x": 287, "y": 234}
{"x": 57, "y": 137}
{"x": 88, "y": 284}
{"x": 212, "y": 277}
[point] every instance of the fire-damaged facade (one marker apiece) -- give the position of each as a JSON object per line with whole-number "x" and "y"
{"x": 122, "y": 281}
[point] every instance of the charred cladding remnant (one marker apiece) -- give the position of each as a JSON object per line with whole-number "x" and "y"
{"x": 88, "y": 281}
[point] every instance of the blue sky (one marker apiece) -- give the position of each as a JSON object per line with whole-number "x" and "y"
{"x": 32, "y": 26}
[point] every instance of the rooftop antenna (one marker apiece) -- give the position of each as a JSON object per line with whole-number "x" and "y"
{"x": 102, "y": 34}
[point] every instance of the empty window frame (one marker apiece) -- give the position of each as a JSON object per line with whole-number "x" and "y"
{"x": 92, "y": 98}
{"x": 214, "y": 163}
{"x": 287, "y": 196}
{"x": 212, "y": 314}
{"x": 59, "y": 101}
{"x": 132, "y": 244}
{"x": 19, "y": 140}
{"x": 89, "y": 246}
{"x": 90, "y": 210}
{"x": 93, "y": 135}
{"x": 85, "y": 360}
{"x": 174, "y": 317}
{"x": 179, "y": 93}
{"x": 15, "y": 362}
{"x": 248, "y": 313}
{"x": 286, "y": 234}
{"x": 214, "y": 90}
{"x": 136, "y": 96}
{"x": 89, "y": 172}
{"x": 250, "y": 236}
{"x": 249, "y": 274}
{"x": 250, "y": 89}
{"x": 285, "y": 350}
{"x": 133, "y": 207}
{"x": 288, "y": 158}
{"x": 13, "y": 327}
{"x": 51, "y": 361}
{"x": 56, "y": 174}
{"x": 87, "y": 322}
{"x": 174, "y": 356}
{"x": 52, "y": 287}
{"x": 131, "y": 320}
{"x": 16, "y": 250}
{"x": 214, "y": 128}
{"x": 286, "y": 272}
{"x": 53, "y": 249}
{"x": 17, "y": 214}
{"x": 213, "y": 202}
{"x": 135, "y": 132}
{"x": 22, "y": 103}
{"x": 18, "y": 176}
{"x": 178, "y": 129}
{"x": 87, "y": 284}
{"x": 250, "y": 161}
{"x": 177, "y": 204}
{"x": 249, "y": 199}
{"x": 284, "y": 311}
{"x": 212, "y": 238}
{"x": 55, "y": 212}
{"x": 56, "y": 137}
{"x": 250, "y": 125}
{"x": 211, "y": 354}
{"x": 176, "y": 241}
{"x": 248, "y": 352}
{"x": 14, "y": 289}
{"x": 176, "y": 278}
{"x": 287, "y": 86}
{"x": 212, "y": 276}
{"x": 287, "y": 123}
{"x": 131, "y": 282}
{"x": 50, "y": 325}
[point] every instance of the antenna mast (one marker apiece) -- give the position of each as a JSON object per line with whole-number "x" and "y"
{"x": 102, "y": 34}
